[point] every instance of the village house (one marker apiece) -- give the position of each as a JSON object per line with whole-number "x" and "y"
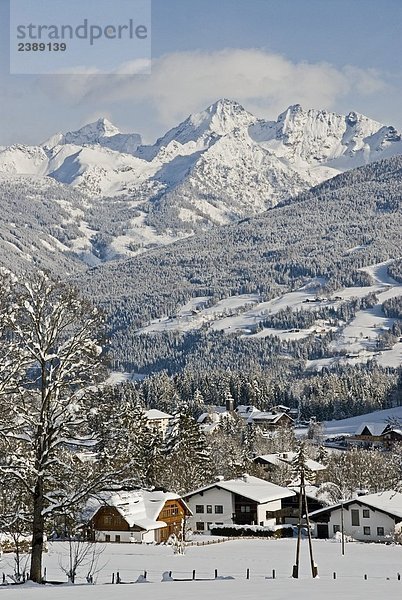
{"x": 246, "y": 500}
{"x": 272, "y": 462}
{"x": 278, "y": 416}
{"x": 134, "y": 516}
{"x": 371, "y": 435}
{"x": 268, "y": 420}
{"x": 209, "y": 421}
{"x": 289, "y": 514}
{"x": 158, "y": 421}
{"x": 368, "y": 518}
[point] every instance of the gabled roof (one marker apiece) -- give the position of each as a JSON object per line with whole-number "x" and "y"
{"x": 139, "y": 508}
{"x": 250, "y": 487}
{"x": 214, "y": 416}
{"x": 389, "y": 502}
{"x": 268, "y": 416}
{"x": 312, "y": 492}
{"x": 287, "y": 457}
{"x": 154, "y": 414}
{"x": 376, "y": 429}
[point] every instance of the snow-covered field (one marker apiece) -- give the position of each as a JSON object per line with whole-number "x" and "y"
{"x": 338, "y": 427}
{"x": 380, "y": 563}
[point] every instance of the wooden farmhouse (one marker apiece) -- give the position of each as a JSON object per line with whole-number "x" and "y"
{"x": 135, "y": 516}
{"x": 376, "y": 435}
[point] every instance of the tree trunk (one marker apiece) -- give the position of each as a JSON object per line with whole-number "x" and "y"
{"x": 38, "y": 527}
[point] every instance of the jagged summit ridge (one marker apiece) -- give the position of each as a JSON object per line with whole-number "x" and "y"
{"x": 216, "y": 166}
{"x": 319, "y": 137}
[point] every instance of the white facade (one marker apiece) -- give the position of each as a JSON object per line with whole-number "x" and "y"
{"x": 158, "y": 420}
{"x": 218, "y": 500}
{"x": 125, "y": 536}
{"x": 362, "y": 523}
{"x": 218, "y": 507}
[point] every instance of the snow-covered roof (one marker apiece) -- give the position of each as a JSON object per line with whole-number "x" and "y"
{"x": 288, "y": 457}
{"x": 374, "y": 428}
{"x": 389, "y": 502}
{"x": 214, "y": 416}
{"x": 265, "y": 416}
{"x": 245, "y": 410}
{"x": 154, "y": 414}
{"x": 312, "y": 491}
{"x": 138, "y": 507}
{"x": 248, "y": 486}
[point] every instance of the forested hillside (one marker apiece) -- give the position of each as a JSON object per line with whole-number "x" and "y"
{"x": 329, "y": 233}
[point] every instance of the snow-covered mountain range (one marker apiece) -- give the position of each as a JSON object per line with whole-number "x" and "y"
{"x": 215, "y": 167}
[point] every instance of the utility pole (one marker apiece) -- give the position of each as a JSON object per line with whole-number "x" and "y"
{"x": 342, "y": 529}
{"x": 300, "y": 468}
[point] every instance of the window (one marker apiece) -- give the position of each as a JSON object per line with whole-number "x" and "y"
{"x": 107, "y": 519}
{"x": 366, "y": 530}
{"x": 380, "y": 531}
{"x": 355, "y": 517}
{"x": 366, "y": 513}
{"x": 245, "y": 509}
{"x": 209, "y": 509}
{"x": 218, "y": 509}
{"x": 200, "y": 526}
{"x": 199, "y": 508}
{"x": 117, "y": 538}
{"x": 107, "y": 538}
{"x": 336, "y": 528}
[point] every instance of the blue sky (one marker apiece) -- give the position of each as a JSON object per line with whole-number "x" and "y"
{"x": 334, "y": 54}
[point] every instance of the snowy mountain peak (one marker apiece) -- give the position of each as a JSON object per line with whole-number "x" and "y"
{"x": 219, "y": 118}
{"x": 101, "y": 132}
{"x": 203, "y": 128}
{"x": 91, "y": 133}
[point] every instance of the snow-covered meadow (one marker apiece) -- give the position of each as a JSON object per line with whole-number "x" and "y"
{"x": 381, "y": 563}
{"x": 354, "y": 343}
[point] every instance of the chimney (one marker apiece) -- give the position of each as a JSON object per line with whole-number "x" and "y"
{"x": 229, "y": 404}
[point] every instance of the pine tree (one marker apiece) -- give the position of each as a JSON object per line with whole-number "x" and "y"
{"x": 188, "y": 460}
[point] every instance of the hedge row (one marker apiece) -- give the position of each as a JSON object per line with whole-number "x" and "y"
{"x": 229, "y": 531}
